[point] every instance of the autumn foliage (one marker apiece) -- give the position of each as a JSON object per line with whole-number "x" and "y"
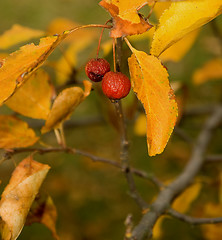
{"x": 34, "y": 85}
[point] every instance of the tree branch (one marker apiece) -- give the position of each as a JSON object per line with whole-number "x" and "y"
{"x": 9, "y": 153}
{"x": 168, "y": 194}
{"x": 193, "y": 220}
{"x": 213, "y": 158}
{"x": 124, "y": 153}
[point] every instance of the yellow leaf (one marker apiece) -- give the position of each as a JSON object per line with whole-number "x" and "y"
{"x": 183, "y": 202}
{"x": 160, "y": 7}
{"x": 127, "y": 21}
{"x": 43, "y": 211}
{"x": 33, "y": 99}
{"x": 150, "y": 83}
{"x": 18, "y": 34}
{"x": 157, "y": 230}
{"x": 16, "y": 68}
{"x": 18, "y": 196}
{"x": 178, "y": 50}
{"x": 210, "y": 70}
{"x": 140, "y": 125}
{"x": 14, "y": 133}
{"x": 64, "y": 105}
{"x": 182, "y": 18}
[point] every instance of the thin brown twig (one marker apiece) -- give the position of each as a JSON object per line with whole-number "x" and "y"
{"x": 200, "y": 110}
{"x": 193, "y": 220}
{"x": 89, "y": 26}
{"x": 8, "y": 154}
{"x": 213, "y": 158}
{"x": 100, "y": 38}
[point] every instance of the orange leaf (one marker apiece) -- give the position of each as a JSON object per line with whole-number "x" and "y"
{"x": 18, "y": 34}
{"x": 63, "y": 106}
{"x": 33, "y": 99}
{"x": 18, "y": 196}
{"x": 150, "y": 83}
{"x": 43, "y": 211}
{"x": 14, "y": 133}
{"x": 16, "y": 68}
{"x": 126, "y": 19}
{"x": 210, "y": 70}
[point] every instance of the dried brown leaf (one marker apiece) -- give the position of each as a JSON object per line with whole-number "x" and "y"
{"x": 18, "y": 196}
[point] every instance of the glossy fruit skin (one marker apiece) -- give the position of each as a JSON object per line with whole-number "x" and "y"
{"x": 96, "y": 68}
{"x": 115, "y": 85}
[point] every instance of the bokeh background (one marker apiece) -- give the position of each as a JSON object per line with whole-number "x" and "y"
{"x": 92, "y": 199}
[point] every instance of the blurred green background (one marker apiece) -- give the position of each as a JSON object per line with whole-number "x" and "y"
{"x": 92, "y": 199}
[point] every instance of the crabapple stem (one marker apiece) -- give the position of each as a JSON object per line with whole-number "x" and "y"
{"x": 128, "y": 43}
{"x": 89, "y": 26}
{"x": 100, "y": 38}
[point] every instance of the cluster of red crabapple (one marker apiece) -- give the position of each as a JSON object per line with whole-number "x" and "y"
{"x": 115, "y": 85}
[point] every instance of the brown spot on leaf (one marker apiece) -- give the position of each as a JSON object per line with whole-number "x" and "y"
{"x": 171, "y": 94}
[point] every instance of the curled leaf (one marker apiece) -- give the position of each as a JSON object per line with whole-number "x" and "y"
{"x": 64, "y": 105}
{"x": 126, "y": 19}
{"x": 180, "y": 19}
{"x": 18, "y": 196}
{"x": 15, "y": 133}
{"x": 150, "y": 83}
{"x": 18, "y": 34}
{"x": 33, "y": 99}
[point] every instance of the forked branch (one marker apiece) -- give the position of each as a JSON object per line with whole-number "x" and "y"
{"x": 169, "y": 193}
